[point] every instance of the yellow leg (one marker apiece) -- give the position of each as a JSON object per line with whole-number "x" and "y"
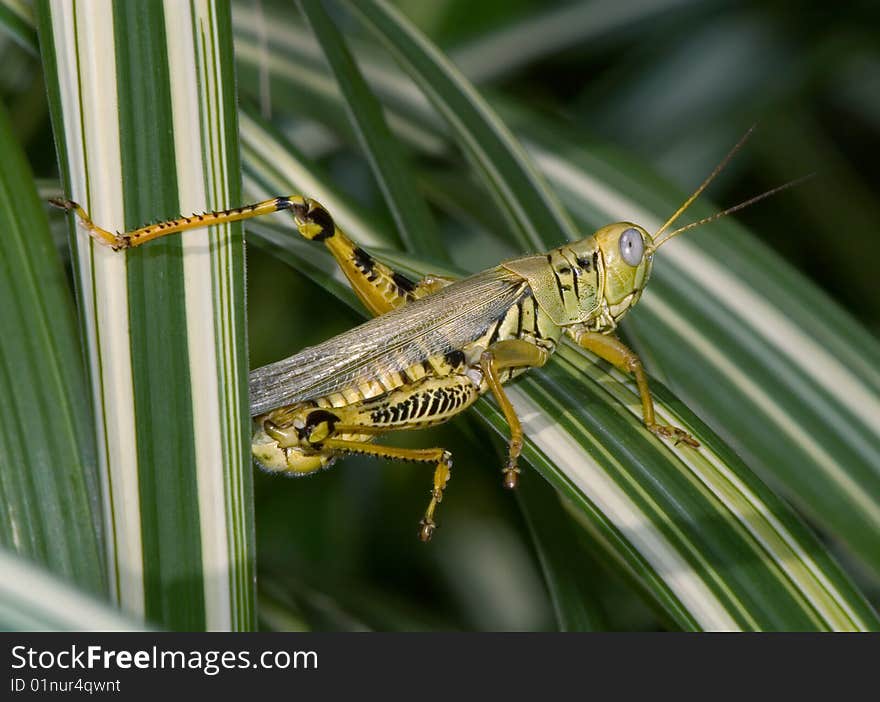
{"x": 304, "y": 438}
{"x": 379, "y": 287}
{"x": 512, "y": 353}
{"x": 440, "y": 457}
{"x": 620, "y": 355}
{"x": 300, "y": 206}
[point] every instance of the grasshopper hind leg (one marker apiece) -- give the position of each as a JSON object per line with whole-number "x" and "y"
{"x": 379, "y": 287}
{"x": 304, "y": 439}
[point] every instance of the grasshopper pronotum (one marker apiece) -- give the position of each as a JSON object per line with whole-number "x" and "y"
{"x": 436, "y": 345}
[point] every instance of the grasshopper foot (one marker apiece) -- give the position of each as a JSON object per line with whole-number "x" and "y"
{"x": 117, "y": 241}
{"x": 442, "y": 474}
{"x": 679, "y": 436}
{"x": 426, "y": 530}
{"x": 511, "y": 470}
{"x": 510, "y": 475}
{"x": 62, "y": 204}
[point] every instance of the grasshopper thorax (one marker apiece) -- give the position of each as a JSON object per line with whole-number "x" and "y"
{"x": 594, "y": 280}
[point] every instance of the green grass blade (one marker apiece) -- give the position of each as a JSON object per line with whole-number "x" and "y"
{"x": 529, "y": 206}
{"x": 568, "y": 571}
{"x": 49, "y": 511}
{"x": 384, "y": 152}
{"x": 144, "y": 114}
{"x": 555, "y": 28}
{"x": 263, "y": 143}
{"x": 17, "y": 20}
{"x": 32, "y": 599}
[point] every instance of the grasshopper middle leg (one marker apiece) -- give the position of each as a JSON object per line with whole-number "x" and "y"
{"x": 503, "y": 355}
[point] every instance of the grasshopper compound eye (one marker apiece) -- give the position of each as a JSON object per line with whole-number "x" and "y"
{"x": 632, "y": 248}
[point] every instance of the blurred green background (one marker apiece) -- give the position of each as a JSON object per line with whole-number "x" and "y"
{"x": 673, "y": 86}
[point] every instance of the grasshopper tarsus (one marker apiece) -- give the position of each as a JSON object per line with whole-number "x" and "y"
{"x": 62, "y": 203}
{"x": 674, "y": 434}
{"x": 688, "y": 440}
{"x": 426, "y": 530}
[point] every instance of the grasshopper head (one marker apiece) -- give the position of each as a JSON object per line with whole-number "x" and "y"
{"x": 627, "y": 252}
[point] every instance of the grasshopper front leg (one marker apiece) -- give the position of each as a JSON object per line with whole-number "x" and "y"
{"x": 621, "y": 356}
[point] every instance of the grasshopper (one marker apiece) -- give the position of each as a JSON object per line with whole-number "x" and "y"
{"x": 436, "y": 345}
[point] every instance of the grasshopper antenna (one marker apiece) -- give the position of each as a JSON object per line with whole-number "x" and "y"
{"x": 705, "y": 184}
{"x": 729, "y": 210}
